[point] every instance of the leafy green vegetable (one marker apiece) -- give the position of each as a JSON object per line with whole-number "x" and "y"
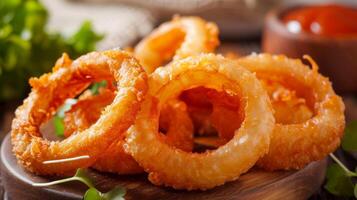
{"x": 82, "y": 41}
{"x": 59, "y": 126}
{"x": 349, "y": 141}
{"x": 92, "y": 193}
{"x": 116, "y": 193}
{"x": 338, "y": 183}
{"x": 27, "y": 49}
{"x": 339, "y": 179}
{"x": 58, "y": 118}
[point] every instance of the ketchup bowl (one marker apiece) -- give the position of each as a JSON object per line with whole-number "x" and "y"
{"x": 314, "y": 30}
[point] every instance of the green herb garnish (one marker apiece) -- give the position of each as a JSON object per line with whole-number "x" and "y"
{"x": 28, "y": 49}
{"x": 92, "y": 193}
{"x": 58, "y": 118}
{"x": 59, "y": 126}
{"x": 340, "y": 180}
{"x": 116, "y": 193}
{"x": 349, "y": 141}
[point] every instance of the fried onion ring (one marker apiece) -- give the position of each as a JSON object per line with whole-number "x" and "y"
{"x": 174, "y": 119}
{"x": 295, "y": 145}
{"x": 179, "y": 38}
{"x": 212, "y": 168}
{"x": 85, "y": 113}
{"x": 67, "y": 80}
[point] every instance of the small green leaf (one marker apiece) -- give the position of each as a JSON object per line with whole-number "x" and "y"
{"x": 28, "y": 49}
{"x": 92, "y": 194}
{"x": 338, "y": 183}
{"x": 85, "y": 38}
{"x": 355, "y": 191}
{"x": 83, "y": 175}
{"x": 96, "y": 86}
{"x": 116, "y": 193}
{"x": 58, "y": 118}
{"x": 349, "y": 141}
{"x": 59, "y": 126}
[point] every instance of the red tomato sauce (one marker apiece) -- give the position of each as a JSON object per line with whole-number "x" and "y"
{"x": 326, "y": 20}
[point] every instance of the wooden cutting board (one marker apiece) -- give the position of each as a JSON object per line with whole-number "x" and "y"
{"x": 255, "y": 184}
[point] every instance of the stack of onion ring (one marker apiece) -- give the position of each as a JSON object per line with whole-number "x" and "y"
{"x": 264, "y": 110}
{"x": 190, "y": 36}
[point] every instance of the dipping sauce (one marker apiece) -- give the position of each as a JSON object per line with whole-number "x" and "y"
{"x": 326, "y": 20}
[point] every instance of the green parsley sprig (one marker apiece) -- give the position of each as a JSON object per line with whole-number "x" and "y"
{"x": 341, "y": 180}
{"x": 117, "y": 193}
{"x": 28, "y": 49}
{"x": 58, "y": 118}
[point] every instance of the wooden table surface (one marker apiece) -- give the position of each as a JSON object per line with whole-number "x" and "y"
{"x": 256, "y": 184}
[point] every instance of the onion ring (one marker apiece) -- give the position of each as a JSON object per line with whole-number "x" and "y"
{"x": 295, "y": 145}
{"x": 85, "y": 113}
{"x": 179, "y": 38}
{"x": 212, "y": 168}
{"x": 67, "y": 80}
{"x": 174, "y": 119}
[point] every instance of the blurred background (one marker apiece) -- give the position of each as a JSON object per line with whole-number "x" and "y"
{"x": 34, "y": 33}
